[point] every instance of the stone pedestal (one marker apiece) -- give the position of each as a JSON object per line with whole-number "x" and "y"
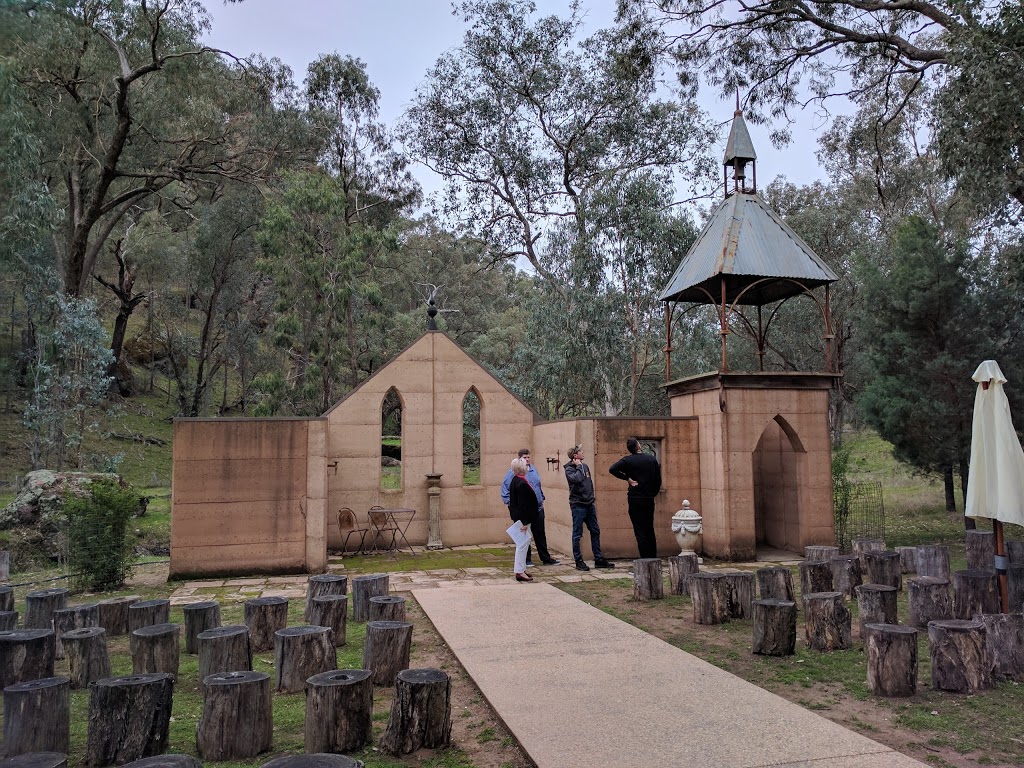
{"x": 434, "y": 511}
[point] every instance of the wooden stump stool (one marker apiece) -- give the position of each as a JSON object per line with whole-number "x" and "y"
{"x": 37, "y": 760}
{"x": 908, "y": 559}
{"x": 339, "y": 710}
{"x": 1015, "y": 587}
{"x": 73, "y": 617}
{"x": 959, "y": 656}
{"x": 861, "y": 545}
{"x": 129, "y": 718}
{"x": 223, "y": 649}
{"x": 156, "y": 649}
{"x": 147, "y": 613}
{"x": 199, "y": 617}
{"x": 37, "y": 716}
{"x": 88, "y": 660}
{"x": 321, "y": 760}
{"x": 679, "y": 569}
{"x": 386, "y": 652}
{"x": 25, "y": 654}
{"x": 883, "y": 567}
{"x": 647, "y": 580}
{"x": 330, "y": 611}
{"x": 710, "y": 594}
{"x": 1014, "y": 551}
{"x": 6, "y": 598}
{"x": 421, "y": 713}
{"x": 387, "y": 608}
{"x": 165, "y": 761}
{"x": 264, "y": 616}
{"x": 300, "y": 653}
{"x": 820, "y": 553}
{"x": 980, "y": 548}
{"x": 363, "y": 588}
{"x": 774, "y": 627}
{"x": 892, "y": 659}
{"x": 846, "y": 574}
{"x": 827, "y": 621}
{"x": 1004, "y": 643}
{"x": 741, "y": 594}
{"x": 775, "y": 583}
{"x": 114, "y": 614}
{"x": 238, "y": 716}
{"x": 975, "y": 592}
{"x": 325, "y": 584}
{"x": 40, "y": 605}
{"x": 8, "y": 620}
{"x": 815, "y": 576}
{"x": 933, "y": 561}
{"x": 928, "y": 599}
{"x": 876, "y": 604}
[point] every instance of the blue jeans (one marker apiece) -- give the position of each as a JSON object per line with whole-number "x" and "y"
{"x": 585, "y": 514}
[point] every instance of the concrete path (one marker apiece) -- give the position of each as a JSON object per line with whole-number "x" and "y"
{"x": 580, "y": 689}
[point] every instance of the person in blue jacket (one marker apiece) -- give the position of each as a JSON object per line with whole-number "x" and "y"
{"x": 539, "y": 536}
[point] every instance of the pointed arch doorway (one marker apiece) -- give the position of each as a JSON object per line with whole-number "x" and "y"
{"x": 779, "y": 463}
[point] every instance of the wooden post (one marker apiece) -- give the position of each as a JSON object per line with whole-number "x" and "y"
{"x": 25, "y": 654}
{"x": 264, "y": 616}
{"x": 114, "y": 614}
{"x": 980, "y": 549}
{"x": 88, "y": 659}
{"x": 1004, "y": 643}
{"x": 815, "y": 577}
{"x": 975, "y": 592}
{"x": 892, "y": 659}
{"x": 387, "y": 648}
{"x": 156, "y": 649}
{"x": 421, "y": 713}
{"x": 820, "y": 553}
{"x": 387, "y": 608}
{"x": 647, "y": 581}
{"x": 199, "y": 617}
{"x": 741, "y": 594}
{"x": 680, "y": 567}
{"x": 908, "y": 559}
{"x": 775, "y": 583}
{"x": 876, "y": 604}
{"x": 8, "y": 620}
{"x": 223, "y": 649}
{"x": 959, "y": 656}
{"x": 710, "y": 594}
{"x": 928, "y": 599}
{"x": 363, "y": 588}
{"x": 827, "y": 621}
{"x": 74, "y": 617}
{"x": 883, "y": 567}
{"x": 933, "y": 560}
{"x": 846, "y": 574}
{"x": 238, "y": 716}
{"x": 129, "y": 718}
{"x": 774, "y": 627}
{"x": 329, "y": 611}
{"x": 37, "y": 716}
{"x": 147, "y": 613}
{"x": 339, "y": 711}
{"x": 300, "y": 653}
{"x": 6, "y": 598}
{"x": 40, "y": 605}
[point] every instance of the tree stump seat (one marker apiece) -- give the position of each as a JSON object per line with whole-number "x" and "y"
{"x": 37, "y": 716}
{"x": 6, "y": 598}
{"x": 883, "y": 567}
{"x": 129, "y": 718}
{"x": 1004, "y": 644}
{"x": 25, "y": 654}
{"x": 387, "y": 608}
{"x": 846, "y": 575}
{"x": 815, "y": 577}
{"x": 8, "y": 620}
{"x": 928, "y": 599}
{"x": 156, "y": 649}
{"x": 740, "y": 586}
{"x": 421, "y": 713}
{"x": 237, "y": 722}
{"x": 223, "y": 649}
{"x": 876, "y": 604}
{"x": 710, "y": 594}
{"x": 330, "y": 611}
{"x": 363, "y": 588}
{"x": 827, "y": 621}
{"x": 199, "y": 617}
{"x": 387, "y": 648}
{"x": 88, "y": 659}
{"x": 114, "y": 614}
{"x": 647, "y": 579}
{"x": 774, "y": 627}
{"x": 325, "y": 584}
{"x": 959, "y": 656}
{"x": 680, "y": 567}
{"x": 73, "y": 617}
{"x": 264, "y": 616}
{"x": 36, "y": 760}
{"x": 980, "y": 548}
{"x": 339, "y": 710}
{"x": 300, "y": 653}
{"x": 863, "y": 544}
{"x": 40, "y": 605}
{"x": 820, "y": 553}
{"x": 975, "y": 591}
{"x": 321, "y": 760}
{"x": 775, "y": 583}
{"x": 147, "y": 613}
{"x": 908, "y": 559}
{"x": 165, "y": 761}
{"x": 891, "y": 651}
{"x": 933, "y": 560}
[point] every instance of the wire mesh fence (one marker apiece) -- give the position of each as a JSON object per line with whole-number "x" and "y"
{"x": 859, "y": 511}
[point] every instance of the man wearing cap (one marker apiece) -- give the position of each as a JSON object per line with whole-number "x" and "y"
{"x": 581, "y": 503}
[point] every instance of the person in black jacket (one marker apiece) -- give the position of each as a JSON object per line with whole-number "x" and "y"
{"x": 643, "y": 473}
{"x": 581, "y": 504}
{"x": 523, "y": 509}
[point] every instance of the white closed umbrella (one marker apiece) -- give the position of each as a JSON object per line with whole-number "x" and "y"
{"x": 995, "y": 485}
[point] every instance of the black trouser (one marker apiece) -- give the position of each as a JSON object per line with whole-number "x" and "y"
{"x": 641, "y": 514}
{"x": 540, "y": 539}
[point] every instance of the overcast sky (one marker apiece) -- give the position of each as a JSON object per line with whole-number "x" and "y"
{"x": 400, "y": 39}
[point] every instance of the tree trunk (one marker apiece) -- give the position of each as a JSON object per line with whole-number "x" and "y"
{"x": 88, "y": 659}
{"x": 827, "y": 621}
{"x": 37, "y": 716}
{"x": 421, "y": 713}
{"x": 199, "y": 617}
{"x": 238, "y": 717}
{"x": 129, "y": 718}
{"x": 300, "y": 653}
{"x": 884, "y": 568}
{"x": 815, "y": 577}
{"x": 975, "y": 592}
{"x": 25, "y": 654}
{"x": 950, "y": 492}
{"x": 114, "y": 614}
{"x": 980, "y": 547}
{"x": 386, "y": 652}
{"x": 959, "y": 656}
{"x": 75, "y": 617}
{"x": 40, "y": 605}
{"x": 339, "y": 711}
{"x": 933, "y": 561}
{"x": 876, "y": 604}
{"x": 156, "y": 649}
{"x": 774, "y": 627}
{"x": 264, "y": 616}
{"x": 363, "y": 588}
{"x": 147, "y": 613}
{"x": 710, "y": 594}
{"x": 741, "y": 594}
{"x": 846, "y": 574}
{"x": 820, "y": 553}
{"x": 679, "y": 569}
{"x": 223, "y": 649}
{"x": 647, "y": 581}
{"x": 387, "y": 608}
{"x": 326, "y": 584}
{"x": 928, "y": 599}
{"x": 775, "y": 583}
{"x": 891, "y": 652}
{"x": 1004, "y": 643}
{"x": 329, "y": 611}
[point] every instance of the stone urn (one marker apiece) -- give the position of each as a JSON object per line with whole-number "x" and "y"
{"x": 688, "y": 527}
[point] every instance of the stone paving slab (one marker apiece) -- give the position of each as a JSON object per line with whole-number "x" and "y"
{"x": 579, "y": 688}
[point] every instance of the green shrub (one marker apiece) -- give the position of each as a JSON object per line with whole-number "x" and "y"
{"x": 99, "y": 552}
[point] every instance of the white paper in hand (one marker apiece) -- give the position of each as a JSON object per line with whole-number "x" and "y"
{"x": 517, "y": 534}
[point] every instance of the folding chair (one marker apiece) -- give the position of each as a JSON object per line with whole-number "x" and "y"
{"x": 347, "y": 525}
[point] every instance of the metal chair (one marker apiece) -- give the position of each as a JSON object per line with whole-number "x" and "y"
{"x": 347, "y": 525}
{"x": 383, "y": 524}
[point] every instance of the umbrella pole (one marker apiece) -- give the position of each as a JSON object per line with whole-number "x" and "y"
{"x": 1004, "y": 597}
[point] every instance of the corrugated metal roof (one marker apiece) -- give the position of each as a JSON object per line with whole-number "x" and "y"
{"x": 739, "y": 145}
{"x": 758, "y": 254}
